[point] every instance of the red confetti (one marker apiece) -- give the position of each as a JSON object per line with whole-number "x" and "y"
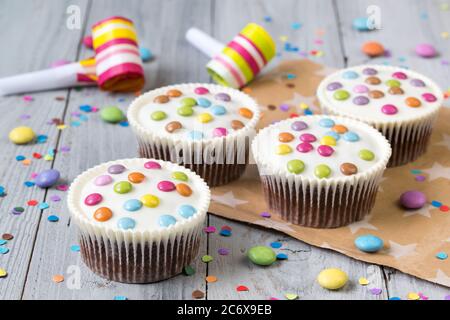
{"x": 37, "y": 155}
{"x": 32, "y": 203}
{"x": 226, "y": 228}
{"x": 241, "y": 288}
{"x": 293, "y": 115}
{"x": 444, "y": 208}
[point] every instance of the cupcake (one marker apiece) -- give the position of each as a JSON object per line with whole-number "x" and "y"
{"x": 207, "y": 128}
{"x": 401, "y": 104}
{"x": 320, "y": 171}
{"x": 139, "y": 220}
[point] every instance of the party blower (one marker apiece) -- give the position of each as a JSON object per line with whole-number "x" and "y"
{"x": 117, "y": 65}
{"x": 237, "y": 63}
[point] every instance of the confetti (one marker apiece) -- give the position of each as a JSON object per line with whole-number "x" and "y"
{"x": 420, "y": 178}
{"x": 188, "y": 271}
{"x": 3, "y": 242}
{"x": 291, "y": 296}
{"x": 7, "y": 236}
{"x": 211, "y": 279}
{"x": 3, "y": 273}
{"x": 43, "y": 205}
{"x": 436, "y": 204}
{"x": 55, "y": 198}
{"x": 413, "y": 296}
{"x": 4, "y": 250}
{"x": 394, "y": 298}
{"x": 53, "y": 218}
{"x": 225, "y": 233}
{"x": 57, "y": 278}
{"x": 444, "y": 208}
{"x": 442, "y": 255}
{"x": 296, "y": 25}
{"x": 207, "y": 258}
{"x": 75, "y": 248}
{"x": 241, "y": 288}
{"x": 124, "y": 124}
{"x": 32, "y": 203}
{"x": 375, "y": 291}
{"x": 37, "y": 155}
{"x": 2, "y": 191}
{"x": 284, "y": 107}
{"x": 282, "y": 256}
{"x": 210, "y": 229}
{"x": 29, "y": 183}
{"x": 265, "y": 215}
{"x": 197, "y": 294}
{"x": 268, "y": 19}
{"x": 20, "y": 158}
{"x": 120, "y": 298}
{"x": 62, "y": 187}
{"x": 223, "y": 251}
{"x": 363, "y": 281}
{"x": 28, "y": 98}
{"x": 17, "y": 210}
{"x": 276, "y": 245}
{"x": 85, "y": 108}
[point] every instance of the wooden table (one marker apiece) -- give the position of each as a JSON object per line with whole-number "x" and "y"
{"x": 34, "y": 33}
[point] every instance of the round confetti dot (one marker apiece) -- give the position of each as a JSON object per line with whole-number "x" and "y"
{"x": 246, "y": 113}
{"x": 366, "y": 155}
{"x": 328, "y": 141}
{"x": 276, "y": 244}
{"x": 219, "y": 132}
{"x": 285, "y": 137}
{"x": 57, "y": 278}
{"x": 186, "y": 211}
{"x": 166, "y": 220}
{"x": 322, "y": 171}
{"x": 325, "y": 151}
{"x": 412, "y": 102}
{"x": 7, "y": 236}
{"x": 158, "y": 115}
{"x": 145, "y": 53}
{"x": 332, "y": 279}
{"x": 326, "y": 123}
{"x": 350, "y": 136}
{"x": 123, "y": 187}
{"x": 360, "y": 100}
{"x": 188, "y": 102}
{"x": 116, "y": 169}
{"x": 295, "y": 166}
{"x": 341, "y": 95}
{"x": 262, "y": 255}
{"x": 150, "y": 200}
{"x": 185, "y": 111}
{"x": 132, "y": 205}
{"x": 166, "y": 186}
{"x": 195, "y": 135}
{"x": 413, "y": 296}
{"x": 93, "y": 199}
{"x": 102, "y": 214}
{"x": 152, "y": 165}
{"x": 393, "y": 83}
{"x": 126, "y": 223}
{"x": 348, "y": 169}
{"x": 103, "y": 180}
{"x": 189, "y": 270}
{"x": 178, "y": 175}
{"x": 18, "y": 210}
{"x": 360, "y": 88}
{"x": 334, "y": 86}
{"x": 136, "y": 177}
{"x": 349, "y": 75}
{"x": 363, "y": 281}
{"x": 299, "y": 125}
{"x": 204, "y": 117}
{"x": 283, "y": 149}
{"x": 369, "y": 243}
{"x": 389, "y": 109}
{"x": 53, "y": 218}
{"x": 304, "y": 147}
{"x": 218, "y": 110}
{"x": 203, "y": 102}
{"x": 222, "y": 97}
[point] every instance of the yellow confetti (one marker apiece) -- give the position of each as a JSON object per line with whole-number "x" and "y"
{"x": 61, "y": 127}
{"x": 48, "y": 157}
{"x": 413, "y": 296}
{"x": 363, "y": 281}
{"x": 283, "y": 38}
{"x": 291, "y": 296}
{"x": 3, "y": 273}
{"x": 445, "y": 34}
{"x": 303, "y": 106}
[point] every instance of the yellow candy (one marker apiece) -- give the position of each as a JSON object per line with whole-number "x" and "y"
{"x": 150, "y": 200}
{"x": 283, "y": 149}
{"x": 204, "y": 117}
{"x": 21, "y": 135}
{"x": 328, "y": 141}
{"x": 363, "y": 281}
{"x": 332, "y": 278}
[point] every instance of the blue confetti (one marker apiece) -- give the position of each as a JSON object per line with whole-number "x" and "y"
{"x": 83, "y": 117}
{"x": 268, "y": 19}
{"x": 276, "y": 245}
{"x": 4, "y": 250}
{"x": 291, "y": 76}
{"x": 394, "y": 298}
{"x": 53, "y": 218}
{"x": 442, "y": 255}
{"x": 120, "y": 298}
{"x": 3, "y": 242}
{"x": 436, "y": 204}
{"x": 282, "y": 256}
{"x": 20, "y": 158}
{"x": 124, "y": 123}
{"x": 225, "y": 232}
{"x": 416, "y": 171}
{"x": 42, "y": 138}
{"x": 296, "y": 25}
{"x": 146, "y": 54}
{"x": 75, "y": 248}
{"x": 75, "y": 124}
{"x": 2, "y": 191}
{"x": 86, "y": 108}
{"x": 29, "y": 183}
{"x": 43, "y": 205}
{"x": 308, "y": 112}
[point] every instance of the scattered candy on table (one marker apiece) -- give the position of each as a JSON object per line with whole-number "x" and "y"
{"x": 332, "y": 279}
{"x": 47, "y": 178}
{"x": 262, "y": 255}
{"x": 426, "y": 50}
{"x": 112, "y": 114}
{"x": 369, "y": 243}
{"x": 413, "y": 199}
{"x": 21, "y": 135}
{"x": 373, "y": 49}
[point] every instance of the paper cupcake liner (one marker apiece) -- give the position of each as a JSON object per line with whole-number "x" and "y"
{"x": 137, "y": 256}
{"x": 217, "y": 160}
{"x": 321, "y": 203}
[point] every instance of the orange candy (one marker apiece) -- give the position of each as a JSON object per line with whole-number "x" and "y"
{"x": 373, "y": 49}
{"x": 285, "y": 137}
{"x": 102, "y": 214}
{"x": 136, "y": 177}
{"x": 183, "y": 189}
{"x": 412, "y": 102}
{"x": 246, "y": 113}
{"x": 339, "y": 128}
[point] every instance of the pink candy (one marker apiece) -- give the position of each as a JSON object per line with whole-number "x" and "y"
{"x": 389, "y": 109}
{"x": 220, "y": 132}
{"x": 360, "y": 89}
{"x": 325, "y": 150}
{"x": 308, "y": 137}
{"x": 201, "y": 90}
{"x": 426, "y": 50}
{"x": 152, "y": 165}
{"x": 304, "y": 147}
{"x": 93, "y": 199}
{"x": 429, "y": 97}
{"x": 166, "y": 186}
{"x": 103, "y": 180}
{"x": 399, "y": 75}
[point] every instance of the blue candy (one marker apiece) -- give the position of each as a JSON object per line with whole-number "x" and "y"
{"x": 326, "y": 122}
{"x": 203, "y": 102}
{"x": 333, "y": 134}
{"x": 126, "y": 223}
{"x": 145, "y": 53}
{"x": 166, "y": 220}
{"x": 350, "y": 136}
{"x": 3, "y": 242}
{"x": 132, "y": 205}
{"x": 369, "y": 243}
{"x": 195, "y": 135}
{"x": 350, "y": 75}
{"x": 20, "y": 158}
{"x": 75, "y": 248}
{"x": 361, "y": 24}
{"x": 218, "y": 110}
{"x": 186, "y": 211}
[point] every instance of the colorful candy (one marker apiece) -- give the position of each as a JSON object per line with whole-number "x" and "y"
{"x": 186, "y": 211}
{"x": 122, "y": 187}
{"x": 116, "y": 169}
{"x": 369, "y": 243}
{"x": 132, "y": 205}
{"x": 47, "y": 178}
{"x": 112, "y": 114}
{"x": 103, "y": 214}
{"x": 295, "y": 166}
{"x": 166, "y": 186}
{"x": 413, "y": 199}
{"x": 93, "y": 199}
{"x": 150, "y": 201}
{"x": 166, "y": 220}
{"x": 21, "y": 135}
{"x": 332, "y": 279}
{"x": 373, "y": 49}
{"x": 262, "y": 255}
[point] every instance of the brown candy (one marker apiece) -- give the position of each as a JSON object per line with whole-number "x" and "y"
{"x": 183, "y": 189}
{"x": 161, "y": 99}
{"x": 7, "y": 236}
{"x": 174, "y": 93}
{"x": 412, "y": 102}
{"x": 373, "y": 80}
{"x": 197, "y": 294}
{"x": 348, "y": 169}
{"x": 236, "y": 124}
{"x": 376, "y": 94}
{"x": 172, "y": 126}
{"x": 285, "y": 137}
{"x": 396, "y": 90}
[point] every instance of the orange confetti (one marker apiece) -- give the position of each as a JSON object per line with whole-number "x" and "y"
{"x": 211, "y": 279}
{"x": 57, "y": 278}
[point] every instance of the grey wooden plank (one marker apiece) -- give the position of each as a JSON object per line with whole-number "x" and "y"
{"x": 32, "y": 38}
{"x": 318, "y": 20}
{"x": 161, "y": 28}
{"x": 404, "y": 25}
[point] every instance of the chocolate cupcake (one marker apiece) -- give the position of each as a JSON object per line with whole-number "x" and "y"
{"x": 207, "y": 128}
{"x": 401, "y": 104}
{"x": 320, "y": 171}
{"x": 139, "y": 220}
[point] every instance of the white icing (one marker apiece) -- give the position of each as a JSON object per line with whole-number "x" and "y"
{"x": 371, "y": 112}
{"x": 267, "y": 140}
{"x": 147, "y": 219}
{"x": 142, "y": 108}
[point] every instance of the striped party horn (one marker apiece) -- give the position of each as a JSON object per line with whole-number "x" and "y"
{"x": 237, "y": 63}
{"x": 118, "y": 62}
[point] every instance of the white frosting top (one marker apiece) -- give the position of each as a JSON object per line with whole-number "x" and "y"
{"x": 139, "y": 195}
{"x": 193, "y": 111}
{"x": 297, "y": 146}
{"x": 400, "y": 95}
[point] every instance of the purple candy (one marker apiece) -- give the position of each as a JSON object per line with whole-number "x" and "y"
{"x": 93, "y": 199}
{"x": 103, "y": 180}
{"x": 417, "y": 83}
{"x": 222, "y": 97}
{"x": 375, "y": 291}
{"x": 308, "y": 137}
{"x": 334, "y": 86}
{"x": 413, "y": 199}
{"x": 360, "y": 100}
{"x": 47, "y": 178}
{"x": 325, "y": 151}
{"x": 426, "y": 50}
{"x": 116, "y": 169}
{"x": 429, "y": 97}
{"x": 360, "y": 89}
{"x": 299, "y": 125}
{"x": 152, "y": 165}
{"x": 399, "y": 75}
{"x": 166, "y": 186}
{"x": 389, "y": 109}
{"x": 304, "y": 147}
{"x": 369, "y": 71}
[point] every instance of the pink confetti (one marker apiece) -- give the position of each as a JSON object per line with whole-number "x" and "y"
{"x": 265, "y": 215}
{"x": 28, "y": 98}
{"x": 62, "y": 187}
{"x": 33, "y": 175}
{"x": 209, "y": 229}
{"x": 375, "y": 291}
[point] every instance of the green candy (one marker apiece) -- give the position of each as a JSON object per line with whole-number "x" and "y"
{"x": 185, "y": 111}
{"x": 207, "y": 258}
{"x": 393, "y": 83}
{"x": 188, "y": 270}
{"x": 178, "y": 175}
{"x": 122, "y": 187}
{"x": 322, "y": 171}
{"x": 366, "y": 155}
{"x": 159, "y": 115}
{"x": 188, "y": 102}
{"x": 262, "y": 255}
{"x": 295, "y": 166}
{"x": 341, "y": 95}
{"x": 112, "y": 114}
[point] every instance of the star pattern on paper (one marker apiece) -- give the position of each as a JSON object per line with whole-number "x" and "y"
{"x": 445, "y": 141}
{"x": 326, "y": 245}
{"x": 363, "y": 224}
{"x": 424, "y": 211}
{"x": 228, "y": 199}
{"x": 280, "y": 226}
{"x": 441, "y": 278}
{"x": 398, "y": 251}
{"x": 437, "y": 171}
